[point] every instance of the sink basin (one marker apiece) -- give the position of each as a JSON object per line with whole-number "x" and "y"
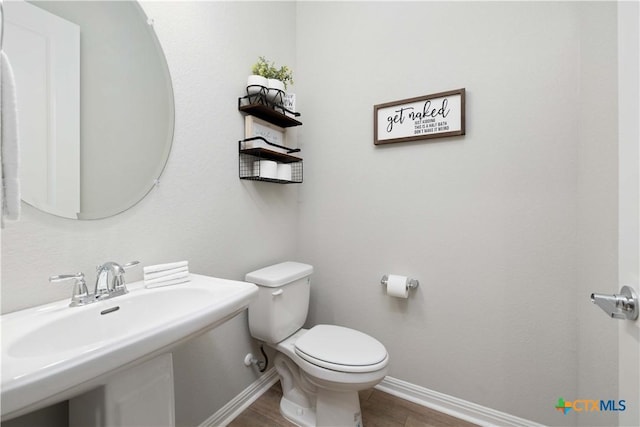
{"x": 80, "y": 331}
{"x": 53, "y": 352}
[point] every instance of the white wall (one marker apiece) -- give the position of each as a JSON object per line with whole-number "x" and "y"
{"x": 489, "y": 222}
{"x": 201, "y": 212}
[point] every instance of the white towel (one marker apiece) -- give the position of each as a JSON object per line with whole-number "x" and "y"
{"x": 163, "y": 267}
{"x": 169, "y": 277}
{"x": 165, "y": 273}
{"x": 9, "y": 161}
{"x": 167, "y": 283}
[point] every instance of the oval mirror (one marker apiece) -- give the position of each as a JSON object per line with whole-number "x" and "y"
{"x": 96, "y": 109}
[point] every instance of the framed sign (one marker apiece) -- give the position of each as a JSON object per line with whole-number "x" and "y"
{"x": 431, "y": 116}
{"x": 254, "y": 126}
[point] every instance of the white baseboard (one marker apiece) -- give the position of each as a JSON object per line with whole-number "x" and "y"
{"x": 450, "y": 405}
{"x": 231, "y": 410}
{"x": 440, "y": 402}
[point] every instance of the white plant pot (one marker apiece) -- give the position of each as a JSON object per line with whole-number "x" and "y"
{"x": 255, "y": 84}
{"x": 276, "y": 90}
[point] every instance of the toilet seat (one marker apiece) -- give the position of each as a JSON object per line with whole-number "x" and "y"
{"x": 341, "y": 349}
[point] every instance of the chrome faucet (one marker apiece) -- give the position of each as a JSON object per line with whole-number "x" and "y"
{"x": 107, "y": 276}
{"x": 109, "y": 283}
{"x": 110, "y": 279}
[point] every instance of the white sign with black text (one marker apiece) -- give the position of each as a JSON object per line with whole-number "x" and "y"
{"x": 431, "y": 116}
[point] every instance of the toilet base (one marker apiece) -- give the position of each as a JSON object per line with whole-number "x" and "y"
{"x": 336, "y": 408}
{"x": 333, "y": 409}
{"x": 299, "y": 415}
{"x": 314, "y": 396}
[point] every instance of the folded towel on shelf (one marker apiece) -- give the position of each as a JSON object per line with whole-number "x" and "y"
{"x": 9, "y": 143}
{"x": 167, "y": 282}
{"x": 164, "y": 267}
{"x": 165, "y": 273}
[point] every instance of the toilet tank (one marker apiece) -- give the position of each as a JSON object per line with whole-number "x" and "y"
{"x": 283, "y": 300}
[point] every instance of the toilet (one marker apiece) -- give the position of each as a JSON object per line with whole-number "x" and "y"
{"x": 321, "y": 369}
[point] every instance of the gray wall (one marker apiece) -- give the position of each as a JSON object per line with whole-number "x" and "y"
{"x": 490, "y": 223}
{"x": 508, "y": 228}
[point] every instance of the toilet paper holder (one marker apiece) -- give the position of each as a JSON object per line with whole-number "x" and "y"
{"x": 411, "y": 283}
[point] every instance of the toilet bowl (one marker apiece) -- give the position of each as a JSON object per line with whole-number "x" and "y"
{"x": 338, "y": 357}
{"x": 322, "y": 368}
{"x": 335, "y": 389}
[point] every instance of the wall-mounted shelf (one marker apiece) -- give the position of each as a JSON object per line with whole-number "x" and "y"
{"x": 260, "y": 159}
{"x": 250, "y": 166}
{"x": 258, "y": 105}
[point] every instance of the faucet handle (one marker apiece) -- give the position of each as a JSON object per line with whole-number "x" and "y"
{"x": 118, "y": 281}
{"x": 130, "y": 264}
{"x": 80, "y": 292}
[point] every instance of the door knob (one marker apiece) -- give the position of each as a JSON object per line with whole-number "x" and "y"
{"x": 618, "y": 306}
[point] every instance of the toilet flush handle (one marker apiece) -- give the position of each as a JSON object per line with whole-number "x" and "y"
{"x": 278, "y": 292}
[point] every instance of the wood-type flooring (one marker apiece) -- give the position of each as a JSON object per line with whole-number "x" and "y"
{"x": 379, "y": 409}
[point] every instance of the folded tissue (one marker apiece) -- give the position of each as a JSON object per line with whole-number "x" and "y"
{"x": 168, "y": 274}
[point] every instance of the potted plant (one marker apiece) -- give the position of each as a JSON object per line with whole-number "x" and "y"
{"x": 278, "y": 84}
{"x": 258, "y": 81}
{"x": 267, "y": 76}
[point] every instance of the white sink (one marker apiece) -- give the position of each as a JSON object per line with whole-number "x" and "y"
{"x": 53, "y": 352}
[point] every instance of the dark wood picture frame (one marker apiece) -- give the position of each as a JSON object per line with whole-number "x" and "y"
{"x": 437, "y": 115}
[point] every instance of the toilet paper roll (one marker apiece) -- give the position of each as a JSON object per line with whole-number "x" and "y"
{"x": 397, "y": 286}
{"x": 265, "y": 169}
{"x": 284, "y": 171}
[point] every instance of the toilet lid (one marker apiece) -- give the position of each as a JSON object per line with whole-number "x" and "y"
{"x": 341, "y": 349}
